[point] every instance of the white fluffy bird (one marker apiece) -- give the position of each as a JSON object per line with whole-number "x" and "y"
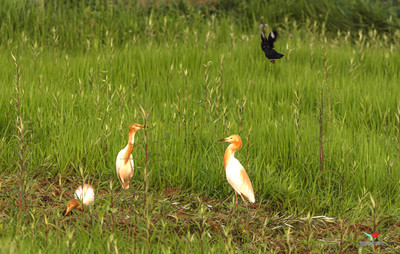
{"x": 124, "y": 158}
{"x": 83, "y": 196}
{"x": 235, "y": 172}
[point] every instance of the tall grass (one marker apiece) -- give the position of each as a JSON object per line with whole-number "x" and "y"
{"x": 21, "y": 140}
{"x": 79, "y": 110}
{"x": 204, "y": 77}
{"x": 83, "y": 25}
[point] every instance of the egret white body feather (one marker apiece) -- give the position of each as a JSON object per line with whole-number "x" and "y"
{"x": 124, "y": 163}
{"x": 124, "y": 169}
{"x": 238, "y": 178}
{"x": 85, "y": 194}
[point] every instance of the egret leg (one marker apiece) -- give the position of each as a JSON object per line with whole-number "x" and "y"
{"x": 236, "y": 198}
{"x": 134, "y": 192}
{"x": 124, "y": 199}
{"x": 245, "y": 205}
{"x": 234, "y": 207}
{"x": 236, "y": 201}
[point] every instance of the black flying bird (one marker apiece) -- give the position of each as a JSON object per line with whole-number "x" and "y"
{"x": 267, "y": 45}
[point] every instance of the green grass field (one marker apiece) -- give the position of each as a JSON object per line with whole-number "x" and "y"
{"x": 320, "y": 128}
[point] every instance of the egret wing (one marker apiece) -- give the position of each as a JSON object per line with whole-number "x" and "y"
{"x": 239, "y": 180}
{"x": 246, "y": 188}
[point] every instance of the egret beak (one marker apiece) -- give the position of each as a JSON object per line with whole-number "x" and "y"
{"x": 68, "y": 210}
{"x": 224, "y": 139}
{"x": 143, "y": 126}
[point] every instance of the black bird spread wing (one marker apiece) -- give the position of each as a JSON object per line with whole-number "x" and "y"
{"x": 272, "y": 37}
{"x": 267, "y": 45}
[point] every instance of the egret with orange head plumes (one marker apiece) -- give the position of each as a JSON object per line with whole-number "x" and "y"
{"x": 235, "y": 172}
{"x": 124, "y": 158}
{"x": 83, "y": 198}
